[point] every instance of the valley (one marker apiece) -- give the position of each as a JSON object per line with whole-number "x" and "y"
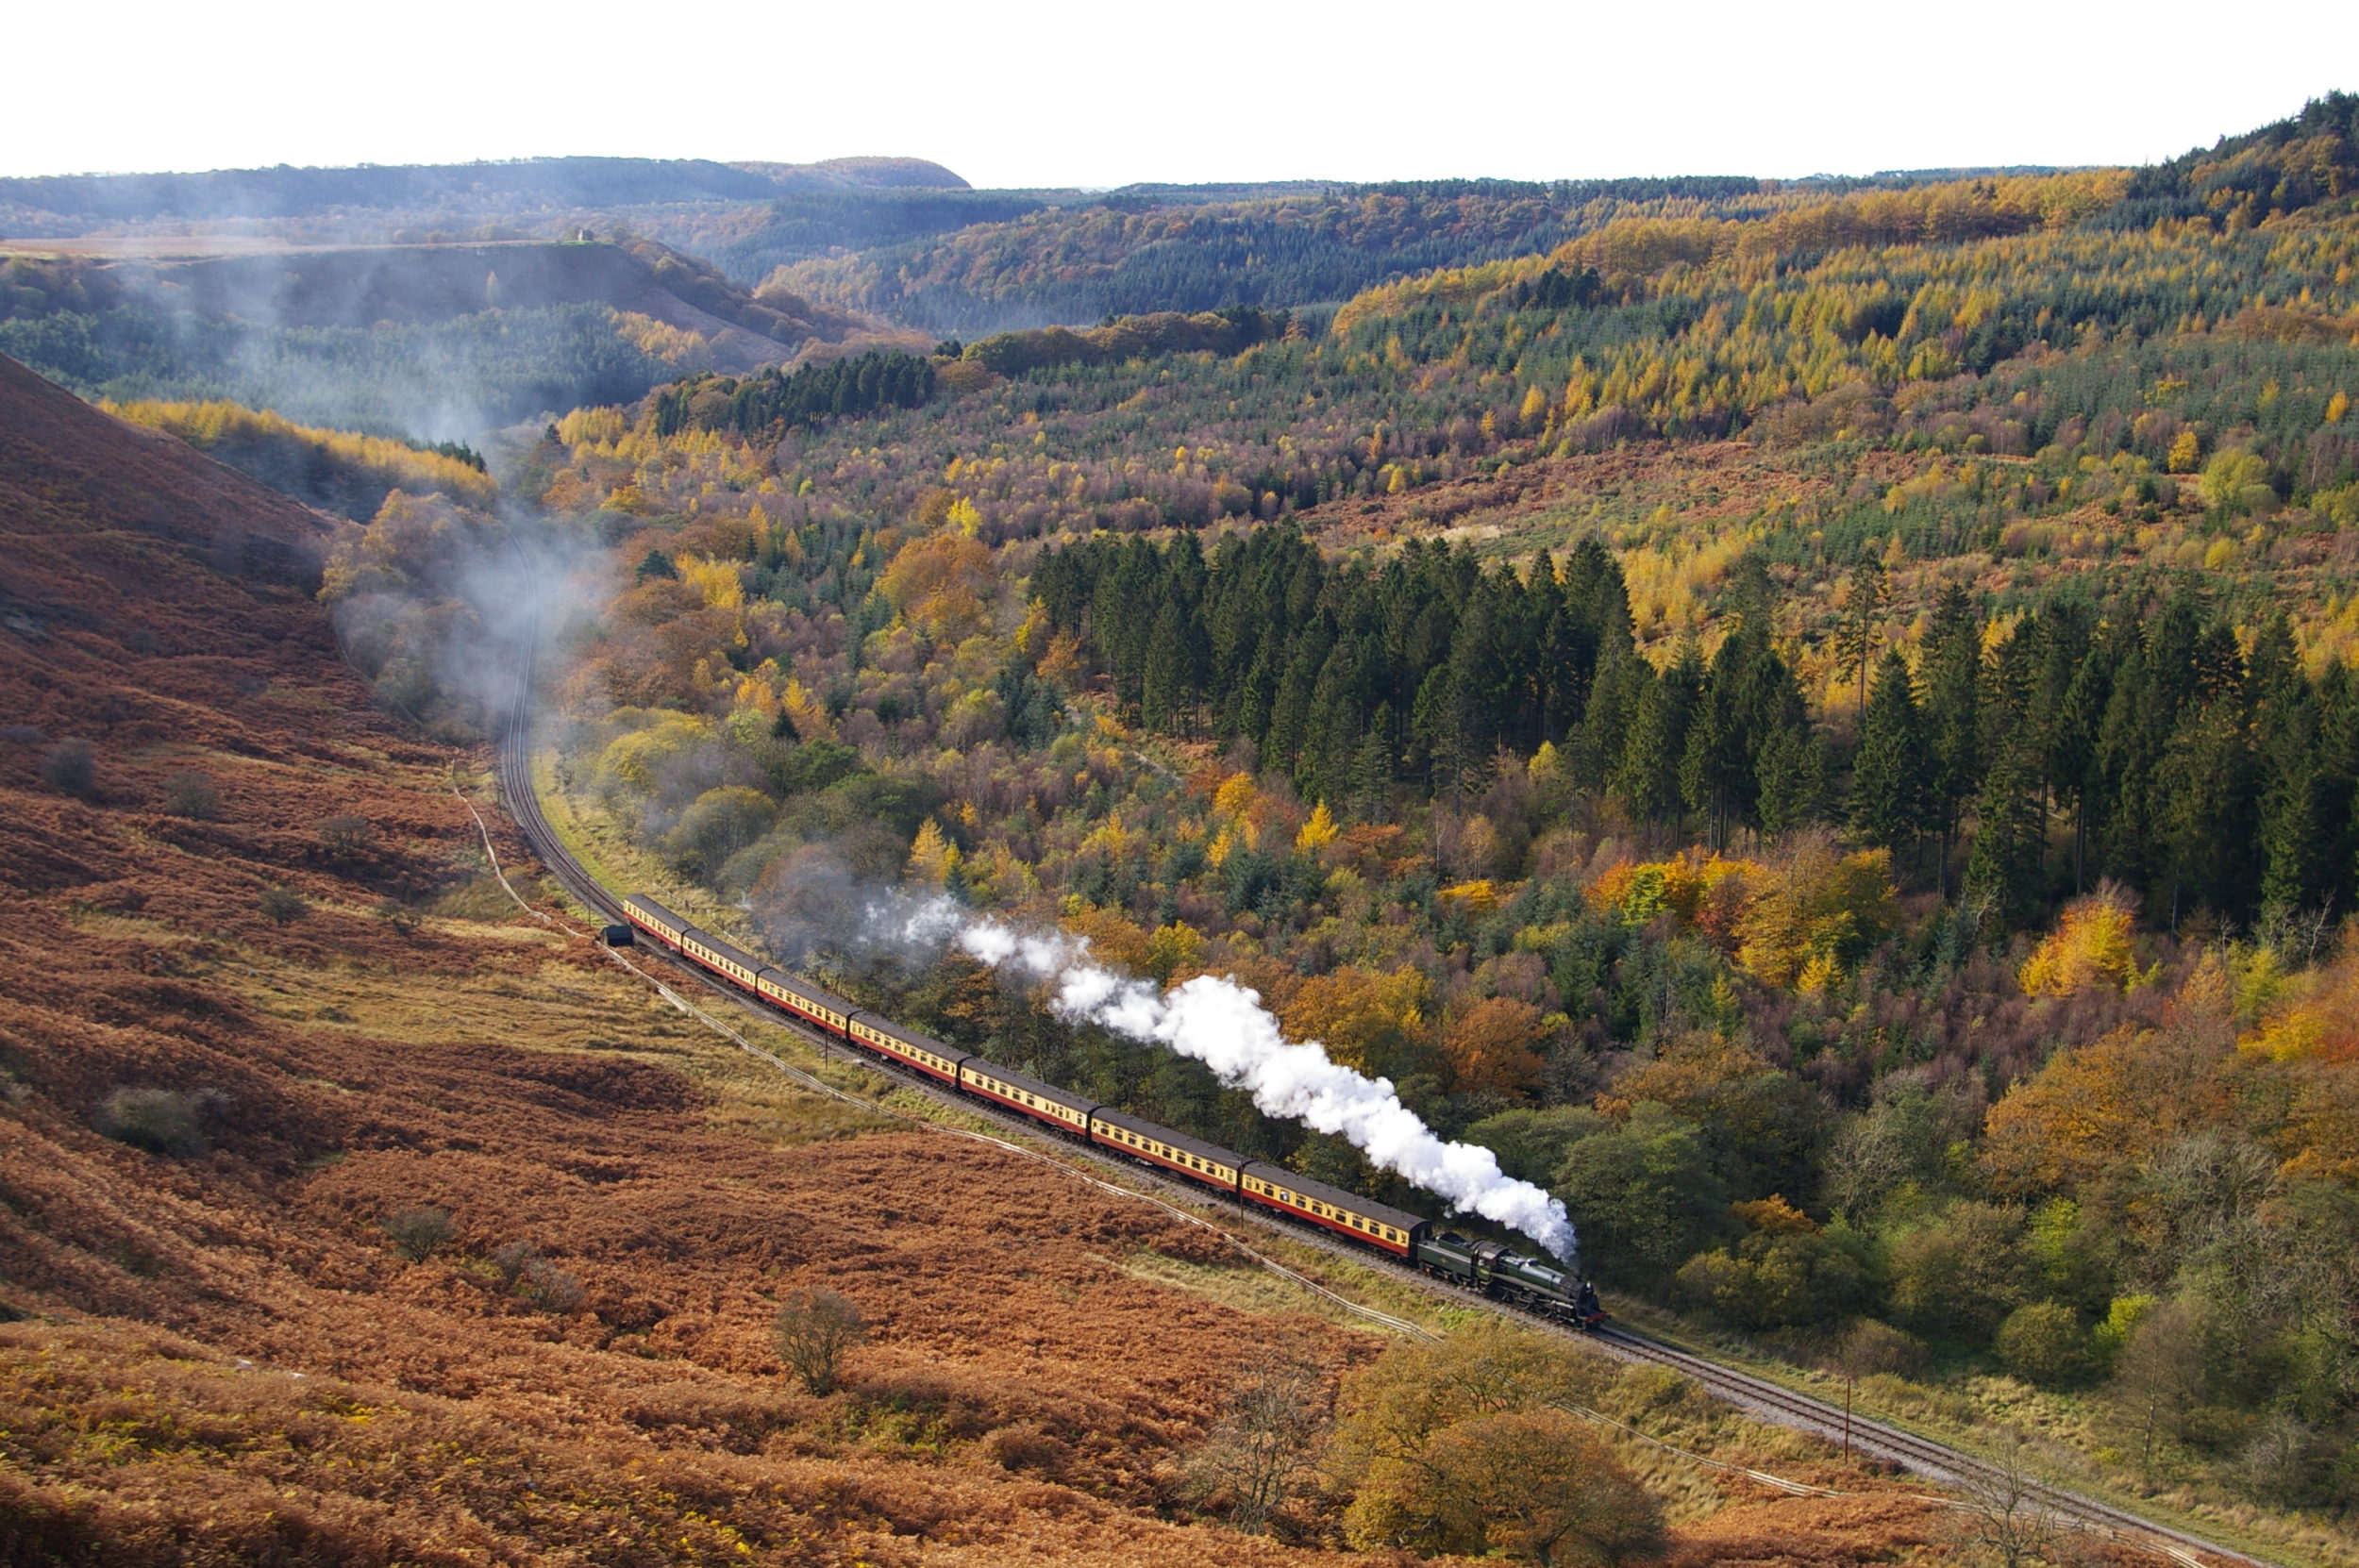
{"x": 1788, "y": 747}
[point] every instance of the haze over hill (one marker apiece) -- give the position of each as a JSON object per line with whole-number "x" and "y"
{"x": 436, "y": 342}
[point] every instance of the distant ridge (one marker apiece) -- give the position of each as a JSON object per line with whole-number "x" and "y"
{"x": 527, "y": 184}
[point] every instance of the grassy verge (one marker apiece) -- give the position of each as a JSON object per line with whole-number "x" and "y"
{"x": 607, "y": 854}
{"x": 1971, "y": 1414}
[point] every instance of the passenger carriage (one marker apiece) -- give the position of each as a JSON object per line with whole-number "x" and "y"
{"x": 1143, "y": 1140}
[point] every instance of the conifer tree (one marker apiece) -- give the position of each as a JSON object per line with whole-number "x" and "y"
{"x": 1953, "y": 672}
{"x": 1164, "y": 701}
{"x": 1861, "y": 622}
{"x": 1648, "y": 780}
{"x": 1888, "y": 775}
{"x": 2006, "y": 862}
{"x": 1372, "y": 767}
{"x": 1793, "y": 776}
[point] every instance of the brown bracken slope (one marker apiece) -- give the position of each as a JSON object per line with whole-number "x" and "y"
{"x": 214, "y": 1356}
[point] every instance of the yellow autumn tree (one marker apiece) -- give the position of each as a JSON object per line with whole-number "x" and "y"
{"x": 1173, "y": 952}
{"x": 1814, "y": 913}
{"x": 718, "y": 581}
{"x": 1114, "y": 940}
{"x": 805, "y": 712}
{"x": 1234, "y": 798}
{"x": 933, "y": 858}
{"x": 941, "y": 585}
{"x": 2316, "y": 1018}
{"x": 643, "y": 759}
{"x": 1318, "y": 833}
{"x": 2089, "y": 947}
{"x": 1355, "y": 1012}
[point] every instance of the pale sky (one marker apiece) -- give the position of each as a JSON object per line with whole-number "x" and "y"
{"x": 1058, "y": 92}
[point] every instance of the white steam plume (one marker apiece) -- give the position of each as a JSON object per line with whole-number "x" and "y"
{"x": 1224, "y": 1027}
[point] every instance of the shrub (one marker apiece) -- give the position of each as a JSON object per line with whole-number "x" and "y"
{"x": 550, "y": 1289}
{"x": 192, "y": 795}
{"x": 347, "y": 836}
{"x": 1870, "y": 1347}
{"x": 1257, "y": 1455}
{"x": 283, "y": 906}
{"x": 400, "y": 916}
{"x": 71, "y": 767}
{"x": 2042, "y": 1343}
{"x": 1534, "y": 1484}
{"x": 161, "y": 1121}
{"x": 418, "y": 1234}
{"x": 813, "y": 1330}
{"x": 512, "y": 1260}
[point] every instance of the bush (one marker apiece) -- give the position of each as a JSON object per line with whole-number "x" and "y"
{"x": 345, "y": 837}
{"x": 813, "y": 1330}
{"x": 1958, "y": 1278}
{"x": 2042, "y": 1343}
{"x": 192, "y": 795}
{"x": 161, "y": 1121}
{"x": 400, "y": 916}
{"x": 283, "y": 906}
{"x": 534, "y": 1280}
{"x": 71, "y": 767}
{"x": 418, "y": 1234}
{"x": 1870, "y": 1347}
{"x": 512, "y": 1260}
{"x": 550, "y": 1289}
{"x": 1774, "y": 1280}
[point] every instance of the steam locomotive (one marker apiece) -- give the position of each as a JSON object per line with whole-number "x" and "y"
{"x": 1486, "y": 1266}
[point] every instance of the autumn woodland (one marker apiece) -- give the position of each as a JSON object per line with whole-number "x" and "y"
{"x": 1818, "y": 721}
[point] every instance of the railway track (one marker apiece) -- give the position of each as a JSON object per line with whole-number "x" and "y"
{"x": 1768, "y": 1399}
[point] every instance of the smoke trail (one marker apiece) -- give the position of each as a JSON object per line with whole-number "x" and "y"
{"x": 1224, "y": 1027}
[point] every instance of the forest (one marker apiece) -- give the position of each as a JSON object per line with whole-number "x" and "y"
{"x": 1135, "y": 253}
{"x": 1817, "y": 724}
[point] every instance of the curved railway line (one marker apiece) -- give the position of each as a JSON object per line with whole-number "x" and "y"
{"x": 1759, "y": 1397}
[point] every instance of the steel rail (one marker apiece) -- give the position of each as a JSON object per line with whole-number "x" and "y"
{"x": 1761, "y": 1396}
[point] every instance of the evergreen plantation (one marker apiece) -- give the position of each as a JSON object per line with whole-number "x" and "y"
{"x": 2209, "y": 776}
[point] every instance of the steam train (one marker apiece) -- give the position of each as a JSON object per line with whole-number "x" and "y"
{"x": 1483, "y": 1266}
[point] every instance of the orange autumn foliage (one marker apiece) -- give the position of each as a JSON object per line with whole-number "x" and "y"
{"x": 2104, "y": 1106}
{"x": 1114, "y": 941}
{"x": 2320, "y": 1021}
{"x": 1492, "y": 1046}
{"x": 1640, "y": 891}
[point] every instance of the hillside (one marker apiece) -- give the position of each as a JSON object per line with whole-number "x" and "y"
{"x": 216, "y": 1101}
{"x": 1161, "y": 249}
{"x": 1782, "y": 724}
{"x": 436, "y": 342}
